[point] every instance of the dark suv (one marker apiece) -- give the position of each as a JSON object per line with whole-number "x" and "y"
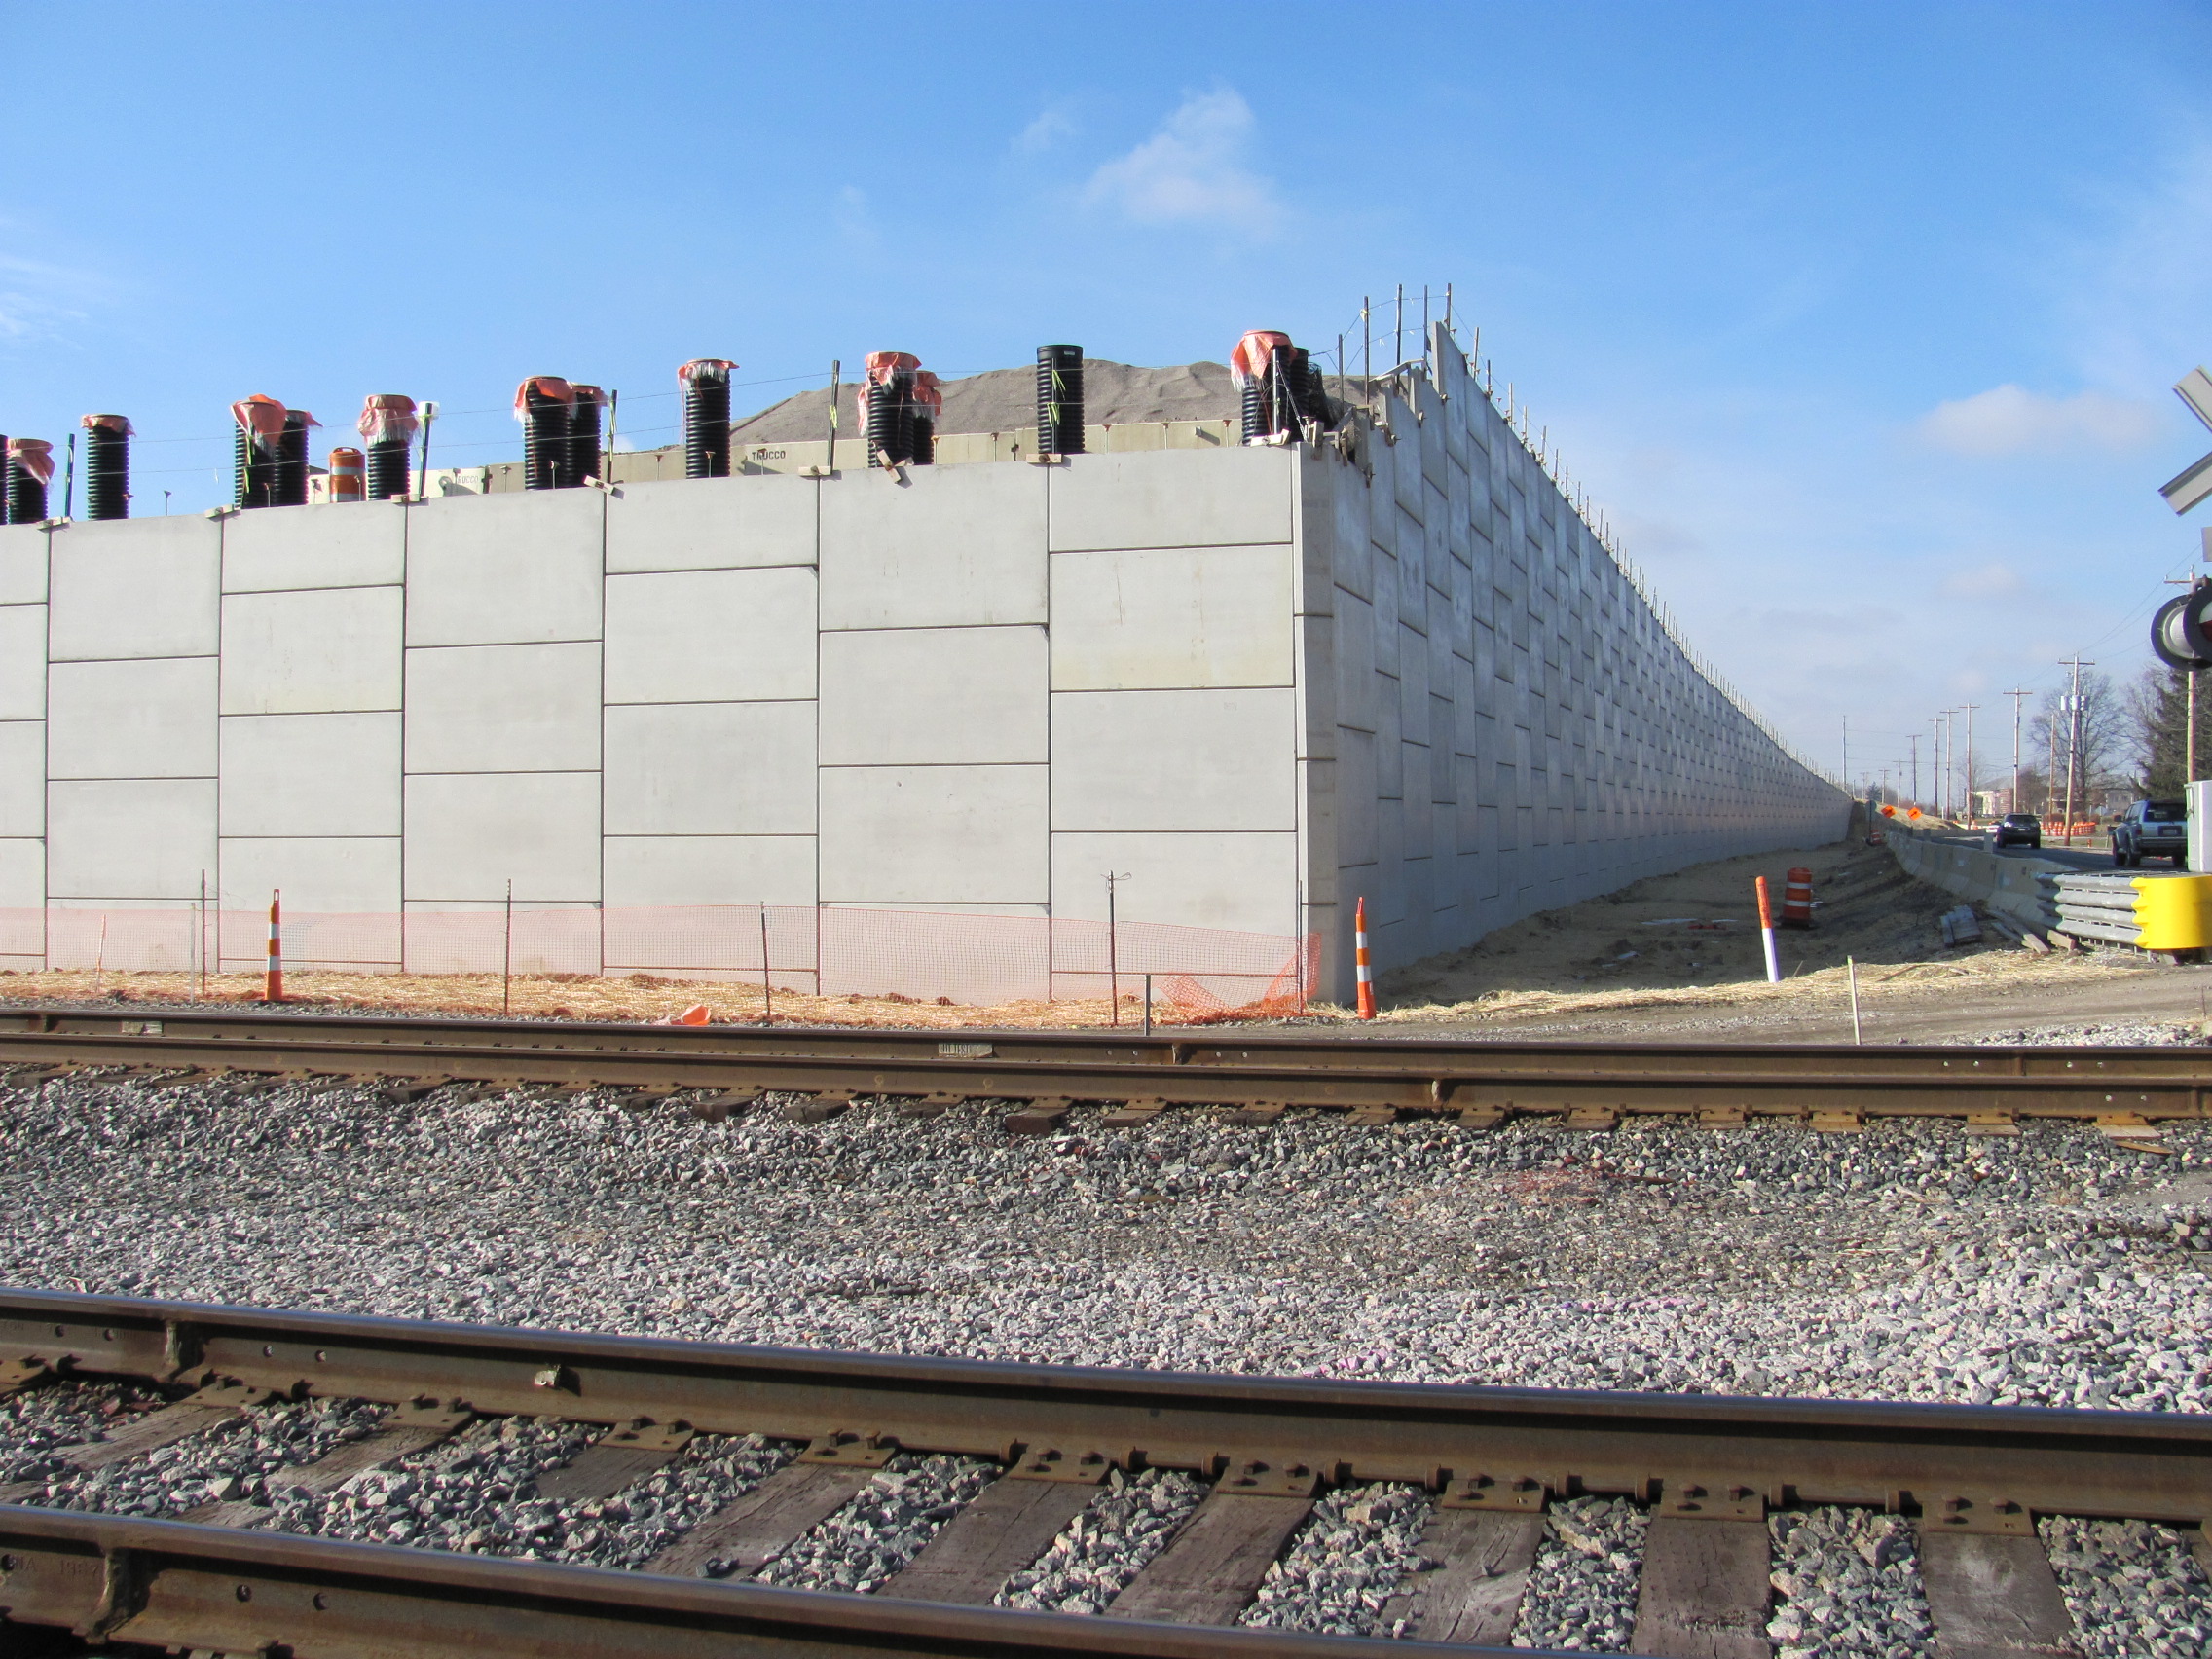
{"x": 2016, "y": 829}
{"x": 2152, "y": 829}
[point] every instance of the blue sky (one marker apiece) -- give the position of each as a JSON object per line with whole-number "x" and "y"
{"x": 1858, "y": 320}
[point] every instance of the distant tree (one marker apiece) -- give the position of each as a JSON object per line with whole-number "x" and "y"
{"x": 2101, "y": 728}
{"x": 2158, "y": 714}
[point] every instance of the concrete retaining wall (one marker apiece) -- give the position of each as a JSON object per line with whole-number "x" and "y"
{"x": 1257, "y": 681}
{"x": 2010, "y": 886}
{"x": 1494, "y": 723}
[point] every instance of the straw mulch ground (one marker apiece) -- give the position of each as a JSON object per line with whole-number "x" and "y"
{"x": 641, "y": 997}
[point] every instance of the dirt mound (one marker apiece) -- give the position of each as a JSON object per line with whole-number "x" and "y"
{"x": 1004, "y": 400}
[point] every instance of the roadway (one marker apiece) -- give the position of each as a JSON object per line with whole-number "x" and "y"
{"x": 2084, "y": 853}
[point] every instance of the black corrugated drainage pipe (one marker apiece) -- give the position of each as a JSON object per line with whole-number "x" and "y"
{"x": 107, "y": 467}
{"x": 261, "y": 431}
{"x": 30, "y": 463}
{"x": 706, "y": 416}
{"x": 541, "y": 404}
{"x": 1059, "y": 400}
{"x": 387, "y": 425}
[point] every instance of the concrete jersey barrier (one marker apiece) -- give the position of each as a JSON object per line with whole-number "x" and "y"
{"x": 2015, "y": 888}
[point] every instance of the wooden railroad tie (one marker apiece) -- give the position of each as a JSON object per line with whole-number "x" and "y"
{"x": 2131, "y": 1129}
{"x": 1131, "y": 1114}
{"x": 1040, "y": 1116}
{"x": 930, "y": 1105}
{"x": 820, "y": 1107}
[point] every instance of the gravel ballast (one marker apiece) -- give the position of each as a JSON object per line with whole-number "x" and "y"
{"x": 1908, "y": 1262}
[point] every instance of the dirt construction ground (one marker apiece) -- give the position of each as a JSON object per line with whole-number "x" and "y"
{"x": 1675, "y": 956}
{"x": 1648, "y": 962}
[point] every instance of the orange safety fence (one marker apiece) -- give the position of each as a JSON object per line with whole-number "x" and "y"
{"x": 978, "y": 959}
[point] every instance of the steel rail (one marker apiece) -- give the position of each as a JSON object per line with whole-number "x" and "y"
{"x": 183, "y": 1587}
{"x": 2139, "y": 1466}
{"x": 194, "y": 1587}
{"x": 1181, "y": 1069}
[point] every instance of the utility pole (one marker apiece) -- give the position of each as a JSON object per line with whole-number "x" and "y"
{"x": 2073, "y": 739}
{"x": 1970, "y": 709}
{"x": 1950, "y": 766}
{"x": 1915, "y": 795}
{"x": 1843, "y": 756}
{"x": 2016, "y": 696}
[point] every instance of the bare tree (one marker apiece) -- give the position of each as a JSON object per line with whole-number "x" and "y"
{"x": 2095, "y": 740}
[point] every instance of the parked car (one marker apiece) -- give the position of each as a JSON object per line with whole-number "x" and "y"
{"x": 2151, "y": 829}
{"x": 2016, "y": 829}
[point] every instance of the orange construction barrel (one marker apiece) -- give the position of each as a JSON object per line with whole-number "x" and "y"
{"x": 346, "y": 480}
{"x": 1797, "y": 898}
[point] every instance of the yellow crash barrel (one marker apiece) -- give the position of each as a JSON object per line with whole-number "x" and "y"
{"x": 2174, "y": 911}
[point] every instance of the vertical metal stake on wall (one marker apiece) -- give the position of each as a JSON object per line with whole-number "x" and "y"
{"x": 508, "y": 954}
{"x": 767, "y": 992}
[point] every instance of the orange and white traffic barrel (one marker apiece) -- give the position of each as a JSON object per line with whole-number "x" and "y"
{"x": 1797, "y": 898}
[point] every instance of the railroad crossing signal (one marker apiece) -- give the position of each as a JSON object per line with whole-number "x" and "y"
{"x": 2196, "y": 482}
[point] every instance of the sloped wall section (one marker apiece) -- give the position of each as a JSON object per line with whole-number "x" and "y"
{"x": 1493, "y": 721}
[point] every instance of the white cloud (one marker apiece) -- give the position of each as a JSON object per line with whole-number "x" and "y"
{"x": 2011, "y": 420}
{"x": 1993, "y": 580}
{"x": 38, "y": 300}
{"x": 1044, "y": 132}
{"x": 1192, "y": 170}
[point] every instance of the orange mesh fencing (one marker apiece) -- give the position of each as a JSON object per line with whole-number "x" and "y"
{"x": 1193, "y": 973}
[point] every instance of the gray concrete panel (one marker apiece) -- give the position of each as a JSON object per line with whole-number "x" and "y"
{"x": 711, "y": 636}
{"x": 1172, "y": 617}
{"x": 328, "y": 546}
{"x": 134, "y": 588}
{"x": 962, "y": 835}
{"x": 505, "y": 570}
{"x": 302, "y": 775}
{"x": 1247, "y": 882}
{"x": 503, "y": 709}
{"x": 711, "y": 524}
{"x": 22, "y": 564}
{"x": 22, "y": 778}
{"x": 934, "y": 696}
{"x": 468, "y": 836}
{"x": 1171, "y": 499}
{"x": 958, "y": 547}
{"x": 308, "y": 652}
{"x": 1174, "y": 760}
{"x": 711, "y": 769}
{"x": 125, "y": 841}
{"x": 136, "y": 719}
{"x": 23, "y": 662}
{"x": 22, "y": 887}
{"x": 709, "y": 869}
{"x": 352, "y": 875}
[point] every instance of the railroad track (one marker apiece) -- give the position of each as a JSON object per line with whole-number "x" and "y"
{"x": 1041, "y": 1445}
{"x": 1832, "y": 1086}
